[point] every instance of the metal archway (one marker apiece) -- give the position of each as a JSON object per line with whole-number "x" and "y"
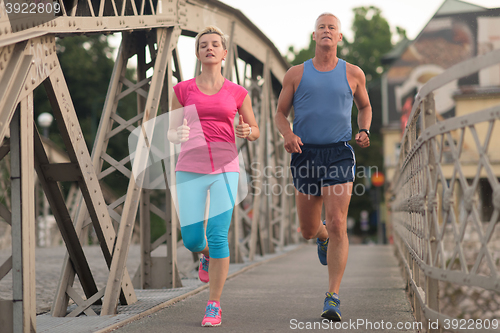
{"x": 28, "y": 59}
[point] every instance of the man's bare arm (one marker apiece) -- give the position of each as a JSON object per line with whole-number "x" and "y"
{"x": 362, "y": 101}
{"x": 292, "y": 142}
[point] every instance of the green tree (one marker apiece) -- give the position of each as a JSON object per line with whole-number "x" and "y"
{"x": 87, "y": 65}
{"x": 372, "y": 39}
{"x": 298, "y": 57}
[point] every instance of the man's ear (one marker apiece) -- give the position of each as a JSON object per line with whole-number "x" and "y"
{"x": 314, "y": 36}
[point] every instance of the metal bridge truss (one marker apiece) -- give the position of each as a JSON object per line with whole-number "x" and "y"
{"x": 437, "y": 222}
{"x": 28, "y": 58}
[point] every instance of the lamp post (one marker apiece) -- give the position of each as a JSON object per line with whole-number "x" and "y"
{"x": 44, "y": 121}
{"x": 378, "y": 180}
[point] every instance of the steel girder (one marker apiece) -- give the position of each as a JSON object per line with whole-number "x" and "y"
{"x": 28, "y": 58}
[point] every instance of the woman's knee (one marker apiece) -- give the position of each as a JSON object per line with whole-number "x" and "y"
{"x": 217, "y": 230}
{"x": 193, "y": 237}
{"x": 219, "y": 248}
{"x": 194, "y": 245}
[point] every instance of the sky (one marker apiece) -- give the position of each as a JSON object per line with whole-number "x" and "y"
{"x": 291, "y": 22}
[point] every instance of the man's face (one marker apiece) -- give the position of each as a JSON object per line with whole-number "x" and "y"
{"x": 327, "y": 31}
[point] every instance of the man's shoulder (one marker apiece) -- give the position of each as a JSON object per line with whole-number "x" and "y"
{"x": 296, "y": 69}
{"x": 294, "y": 73}
{"x": 353, "y": 69}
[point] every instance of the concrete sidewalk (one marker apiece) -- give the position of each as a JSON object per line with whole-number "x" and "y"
{"x": 287, "y": 294}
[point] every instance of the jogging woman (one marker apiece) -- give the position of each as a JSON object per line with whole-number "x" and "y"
{"x": 208, "y": 160}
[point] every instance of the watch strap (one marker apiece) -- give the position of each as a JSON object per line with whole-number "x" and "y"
{"x": 365, "y": 130}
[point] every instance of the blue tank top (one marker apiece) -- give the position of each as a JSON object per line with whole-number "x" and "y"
{"x": 323, "y": 105}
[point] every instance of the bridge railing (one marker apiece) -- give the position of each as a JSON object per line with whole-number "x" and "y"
{"x": 263, "y": 223}
{"x": 445, "y": 207}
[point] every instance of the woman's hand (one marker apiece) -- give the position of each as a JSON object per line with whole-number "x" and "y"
{"x": 183, "y": 131}
{"x": 243, "y": 130}
{"x": 181, "y": 134}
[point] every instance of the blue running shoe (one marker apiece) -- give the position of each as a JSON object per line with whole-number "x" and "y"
{"x": 322, "y": 248}
{"x": 331, "y": 310}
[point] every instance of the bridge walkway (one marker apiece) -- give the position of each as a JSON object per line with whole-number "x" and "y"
{"x": 287, "y": 293}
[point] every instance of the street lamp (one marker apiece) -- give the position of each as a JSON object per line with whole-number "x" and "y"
{"x": 44, "y": 121}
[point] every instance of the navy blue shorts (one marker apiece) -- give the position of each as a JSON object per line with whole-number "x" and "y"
{"x": 322, "y": 165}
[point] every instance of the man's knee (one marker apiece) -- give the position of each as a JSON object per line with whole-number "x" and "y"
{"x": 310, "y": 232}
{"x": 308, "y": 235}
{"x": 336, "y": 227}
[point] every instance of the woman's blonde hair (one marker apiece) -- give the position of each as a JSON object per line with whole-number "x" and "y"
{"x": 211, "y": 29}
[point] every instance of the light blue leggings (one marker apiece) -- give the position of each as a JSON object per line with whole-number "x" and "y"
{"x": 192, "y": 195}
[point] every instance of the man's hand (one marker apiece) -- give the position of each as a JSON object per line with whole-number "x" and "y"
{"x": 293, "y": 143}
{"x": 183, "y": 132}
{"x": 243, "y": 129}
{"x": 362, "y": 140}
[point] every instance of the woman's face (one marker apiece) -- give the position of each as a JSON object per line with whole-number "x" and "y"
{"x": 210, "y": 49}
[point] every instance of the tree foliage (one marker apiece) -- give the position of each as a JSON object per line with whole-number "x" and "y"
{"x": 372, "y": 39}
{"x": 87, "y": 65}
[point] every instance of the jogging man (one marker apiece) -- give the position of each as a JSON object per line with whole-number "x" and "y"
{"x": 321, "y": 91}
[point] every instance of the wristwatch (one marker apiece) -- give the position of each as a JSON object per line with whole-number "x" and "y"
{"x": 364, "y": 130}
{"x": 250, "y": 131}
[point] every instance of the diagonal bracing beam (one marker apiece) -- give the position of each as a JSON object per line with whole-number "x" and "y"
{"x": 70, "y": 130}
{"x": 63, "y": 219}
{"x": 167, "y": 39}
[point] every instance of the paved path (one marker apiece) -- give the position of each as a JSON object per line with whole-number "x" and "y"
{"x": 286, "y": 294}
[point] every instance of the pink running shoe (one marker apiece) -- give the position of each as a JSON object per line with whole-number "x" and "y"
{"x": 203, "y": 269}
{"x": 213, "y": 314}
